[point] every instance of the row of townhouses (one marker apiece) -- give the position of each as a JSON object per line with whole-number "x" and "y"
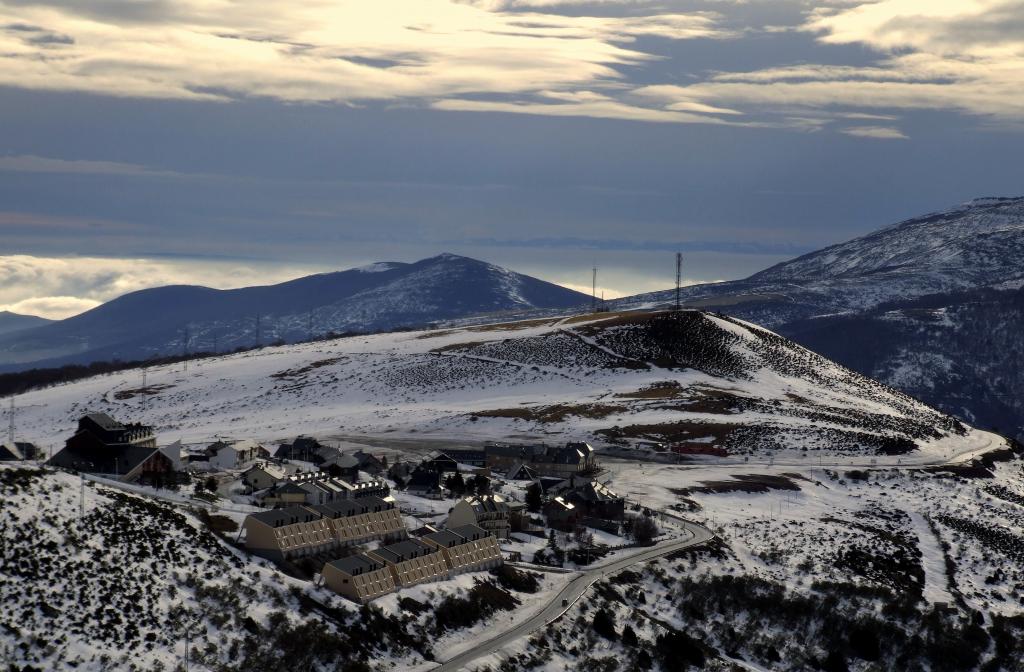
{"x": 315, "y": 488}
{"x": 297, "y": 531}
{"x": 433, "y": 557}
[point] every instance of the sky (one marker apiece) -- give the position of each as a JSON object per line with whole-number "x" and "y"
{"x": 227, "y": 143}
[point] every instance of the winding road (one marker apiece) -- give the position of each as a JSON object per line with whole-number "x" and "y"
{"x": 564, "y": 599}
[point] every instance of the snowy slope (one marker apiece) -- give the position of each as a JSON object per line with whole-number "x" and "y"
{"x": 114, "y": 586}
{"x": 870, "y": 304}
{"x": 977, "y": 244}
{"x": 609, "y": 378}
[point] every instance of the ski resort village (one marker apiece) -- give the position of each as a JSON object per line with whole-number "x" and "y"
{"x": 648, "y": 490}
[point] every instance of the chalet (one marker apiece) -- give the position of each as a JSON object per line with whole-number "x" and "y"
{"x": 412, "y": 561}
{"x": 263, "y": 475}
{"x": 522, "y": 472}
{"x": 572, "y": 459}
{"x": 487, "y": 511}
{"x": 306, "y": 449}
{"x": 126, "y": 451}
{"x": 342, "y": 466}
{"x": 561, "y": 515}
{"x": 283, "y": 493}
{"x": 235, "y": 454}
{"x": 468, "y": 548}
{"x": 371, "y": 464}
{"x": 424, "y": 484}
{"x": 440, "y": 463}
{"x": 359, "y": 577}
{"x": 595, "y": 500}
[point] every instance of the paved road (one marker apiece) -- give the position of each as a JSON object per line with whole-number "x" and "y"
{"x": 572, "y": 592}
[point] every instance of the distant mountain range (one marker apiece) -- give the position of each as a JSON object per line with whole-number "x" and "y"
{"x": 932, "y": 306}
{"x": 382, "y": 296}
{"x": 10, "y": 322}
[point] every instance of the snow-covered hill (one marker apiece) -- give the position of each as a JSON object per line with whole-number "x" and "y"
{"x": 977, "y": 244}
{"x": 686, "y": 377}
{"x": 834, "y": 301}
{"x": 381, "y": 296}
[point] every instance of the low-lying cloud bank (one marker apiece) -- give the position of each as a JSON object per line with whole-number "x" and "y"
{"x": 57, "y": 288}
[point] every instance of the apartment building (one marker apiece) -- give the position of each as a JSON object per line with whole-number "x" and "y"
{"x": 412, "y": 561}
{"x": 296, "y": 531}
{"x": 469, "y": 548}
{"x": 490, "y": 512}
{"x": 355, "y": 521}
{"x": 285, "y": 533}
{"x": 359, "y": 577}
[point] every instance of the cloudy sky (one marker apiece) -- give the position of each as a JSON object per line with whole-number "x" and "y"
{"x": 230, "y": 142}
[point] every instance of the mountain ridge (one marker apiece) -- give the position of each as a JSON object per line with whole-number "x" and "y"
{"x": 184, "y": 318}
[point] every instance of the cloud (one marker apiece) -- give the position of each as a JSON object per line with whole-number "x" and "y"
{"x": 538, "y": 57}
{"x": 322, "y": 51}
{"x": 39, "y": 164}
{"x": 879, "y": 132}
{"x": 58, "y": 287}
{"x": 52, "y": 307}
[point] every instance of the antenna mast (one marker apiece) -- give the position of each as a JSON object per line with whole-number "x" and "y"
{"x": 145, "y": 392}
{"x": 679, "y": 276}
{"x": 593, "y": 292}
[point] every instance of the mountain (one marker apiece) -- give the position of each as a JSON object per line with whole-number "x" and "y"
{"x": 11, "y": 322}
{"x": 686, "y": 377}
{"x": 929, "y": 305}
{"x": 169, "y": 320}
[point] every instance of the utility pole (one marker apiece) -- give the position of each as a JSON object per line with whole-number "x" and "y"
{"x": 679, "y": 276}
{"x": 184, "y": 348}
{"x": 10, "y": 426}
{"x": 258, "y": 336}
{"x": 309, "y": 326}
{"x": 593, "y": 292}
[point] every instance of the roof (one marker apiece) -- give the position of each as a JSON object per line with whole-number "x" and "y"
{"x": 344, "y": 508}
{"x": 446, "y": 538}
{"x": 104, "y": 421}
{"x": 237, "y": 446}
{"x": 10, "y": 452}
{"x": 286, "y": 516}
{"x": 404, "y": 550}
{"x": 560, "y": 503}
{"x": 120, "y": 458}
{"x": 356, "y": 564}
{"x": 488, "y": 503}
{"x": 343, "y": 461}
{"x": 470, "y": 532}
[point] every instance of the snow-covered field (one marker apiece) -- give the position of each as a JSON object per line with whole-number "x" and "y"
{"x": 685, "y": 377}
